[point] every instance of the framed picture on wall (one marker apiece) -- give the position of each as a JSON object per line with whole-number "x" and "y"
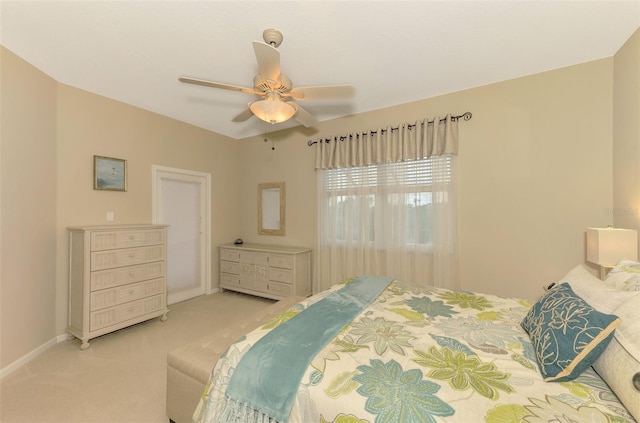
{"x": 109, "y": 174}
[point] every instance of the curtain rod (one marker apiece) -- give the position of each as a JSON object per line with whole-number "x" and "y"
{"x": 464, "y": 116}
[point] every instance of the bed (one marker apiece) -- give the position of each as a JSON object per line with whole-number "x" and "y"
{"x": 424, "y": 354}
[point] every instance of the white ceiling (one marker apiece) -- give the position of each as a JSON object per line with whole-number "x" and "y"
{"x": 392, "y": 52}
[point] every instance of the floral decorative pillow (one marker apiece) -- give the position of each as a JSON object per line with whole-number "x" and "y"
{"x": 625, "y": 276}
{"x": 568, "y": 335}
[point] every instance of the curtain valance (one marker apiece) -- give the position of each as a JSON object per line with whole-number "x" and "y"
{"x": 409, "y": 141}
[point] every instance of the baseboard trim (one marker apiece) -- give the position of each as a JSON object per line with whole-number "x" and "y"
{"x": 33, "y": 354}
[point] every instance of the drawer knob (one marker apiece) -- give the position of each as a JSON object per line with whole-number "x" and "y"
{"x": 131, "y": 291}
{"x": 131, "y": 273}
{"x": 131, "y": 237}
{"x": 131, "y": 255}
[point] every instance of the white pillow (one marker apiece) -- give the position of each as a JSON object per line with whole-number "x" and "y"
{"x": 621, "y": 359}
{"x": 625, "y": 276}
{"x": 591, "y": 289}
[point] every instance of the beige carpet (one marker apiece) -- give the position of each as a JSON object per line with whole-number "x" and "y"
{"x": 122, "y": 376}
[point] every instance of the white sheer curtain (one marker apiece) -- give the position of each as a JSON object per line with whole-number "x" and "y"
{"x": 387, "y": 205}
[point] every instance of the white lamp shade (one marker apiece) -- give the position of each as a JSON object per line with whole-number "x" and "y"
{"x": 607, "y": 246}
{"x": 272, "y": 109}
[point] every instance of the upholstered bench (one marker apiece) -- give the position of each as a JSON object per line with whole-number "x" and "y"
{"x": 189, "y": 366}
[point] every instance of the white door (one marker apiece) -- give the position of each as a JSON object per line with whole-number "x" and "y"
{"x": 181, "y": 200}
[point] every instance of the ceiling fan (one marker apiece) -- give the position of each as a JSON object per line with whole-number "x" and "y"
{"x": 276, "y": 89}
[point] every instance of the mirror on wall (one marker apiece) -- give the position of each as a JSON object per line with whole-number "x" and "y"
{"x": 271, "y": 208}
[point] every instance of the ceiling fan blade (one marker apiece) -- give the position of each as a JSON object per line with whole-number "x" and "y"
{"x": 242, "y": 116}
{"x": 195, "y": 81}
{"x": 304, "y": 117}
{"x": 323, "y": 93}
{"x": 268, "y": 58}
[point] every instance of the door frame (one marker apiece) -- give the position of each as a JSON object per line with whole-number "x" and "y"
{"x": 204, "y": 179}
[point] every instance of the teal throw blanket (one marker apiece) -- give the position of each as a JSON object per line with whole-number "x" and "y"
{"x": 264, "y": 384}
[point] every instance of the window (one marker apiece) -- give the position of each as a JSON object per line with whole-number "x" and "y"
{"x": 383, "y": 204}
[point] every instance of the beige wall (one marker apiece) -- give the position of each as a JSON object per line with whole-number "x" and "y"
{"x": 28, "y": 209}
{"x": 89, "y": 125}
{"x": 534, "y": 166}
{"x": 626, "y": 135}
{"x": 50, "y": 132}
{"x": 535, "y": 170}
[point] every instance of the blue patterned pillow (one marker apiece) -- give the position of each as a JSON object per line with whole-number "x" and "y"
{"x": 568, "y": 335}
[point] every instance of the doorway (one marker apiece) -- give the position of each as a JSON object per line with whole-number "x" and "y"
{"x": 182, "y": 200}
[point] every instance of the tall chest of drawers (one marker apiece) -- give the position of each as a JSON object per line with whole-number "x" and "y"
{"x": 117, "y": 278}
{"x": 266, "y": 270}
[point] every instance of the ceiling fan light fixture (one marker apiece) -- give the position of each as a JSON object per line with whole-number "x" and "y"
{"x": 273, "y": 87}
{"x": 272, "y": 109}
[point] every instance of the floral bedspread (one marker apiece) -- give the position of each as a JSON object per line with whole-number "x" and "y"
{"x": 426, "y": 354}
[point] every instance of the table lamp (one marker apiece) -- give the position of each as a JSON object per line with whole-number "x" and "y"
{"x": 607, "y": 246}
